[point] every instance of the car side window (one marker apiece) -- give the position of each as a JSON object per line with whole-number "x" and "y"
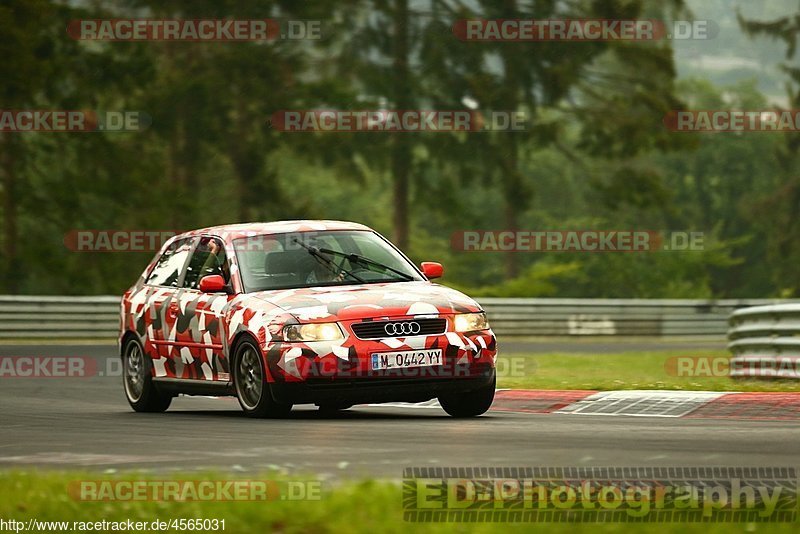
{"x": 168, "y": 269}
{"x": 208, "y": 258}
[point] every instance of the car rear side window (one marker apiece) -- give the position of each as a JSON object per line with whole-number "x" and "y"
{"x": 167, "y": 270}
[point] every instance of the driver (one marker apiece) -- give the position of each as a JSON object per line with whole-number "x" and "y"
{"x": 322, "y": 272}
{"x": 215, "y": 262}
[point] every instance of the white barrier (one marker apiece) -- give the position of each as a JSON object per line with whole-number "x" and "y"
{"x": 765, "y": 341}
{"x": 98, "y": 317}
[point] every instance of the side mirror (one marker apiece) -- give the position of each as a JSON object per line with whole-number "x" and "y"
{"x": 212, "y": 283}
{"x": 432, "y": 269}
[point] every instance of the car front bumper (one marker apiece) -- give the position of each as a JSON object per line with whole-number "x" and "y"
{"x": 342, "y": 372}
{"x": 377, "y": 390}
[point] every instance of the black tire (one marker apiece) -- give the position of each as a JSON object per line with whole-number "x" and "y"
{"x": 250, "y": 381}
{"x": 469, "y": 403}
{"x": 137, "y": 380}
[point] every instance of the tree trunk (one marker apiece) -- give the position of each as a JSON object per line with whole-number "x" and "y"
{"x": 10, "y": 267}
{"x": 514, "y": 194}
{"x": 401, "y": 148}
{"x": 512, "y": 199}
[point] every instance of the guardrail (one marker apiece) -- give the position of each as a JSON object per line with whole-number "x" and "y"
{"x": 98, "y": 317}
{"x": 613, "y": 317}
{"x": 765, "y": 341}
{"x": 59, "y": 317}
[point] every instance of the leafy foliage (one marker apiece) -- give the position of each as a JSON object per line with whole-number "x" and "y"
{"x": 594, "y": 154}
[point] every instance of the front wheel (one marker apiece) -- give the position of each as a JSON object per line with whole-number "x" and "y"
{"x": 142, "y": 394}
{"x": 252, "y": 388}
{"x": 469, "y": 403}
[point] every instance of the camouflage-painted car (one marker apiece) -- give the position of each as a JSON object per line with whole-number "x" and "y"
{"x": 301, "y": 312}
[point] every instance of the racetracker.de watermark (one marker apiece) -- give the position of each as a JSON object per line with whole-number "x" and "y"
{"x": 711, "y": 121}
{"x": 600, "y": 494}
{"x": 194, "y": 30}
{"x": 194, "y": 490}
{"x": 135, "y": 240}
{"x": 57, "y": 367}
{"x": 535, "y": 30}
{"x": 575, "y": 241}
{"x": 123, "y": 525}
{"x": 741, "y": 365}
{"x": 55, "y": 120}
{"x": 418, "y": 120}
{"x": 117, "y": 240}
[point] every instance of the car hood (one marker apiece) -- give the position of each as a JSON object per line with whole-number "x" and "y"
{"x": 354, "y": 302}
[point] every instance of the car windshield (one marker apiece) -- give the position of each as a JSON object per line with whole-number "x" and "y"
{"x": 324, "y": 258}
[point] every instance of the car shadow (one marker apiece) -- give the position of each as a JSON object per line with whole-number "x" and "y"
{"x": 311, "y": 414}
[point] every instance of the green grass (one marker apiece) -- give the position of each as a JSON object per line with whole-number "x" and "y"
{"x": 367, "y": 506}
{"x": 631, "y": 370}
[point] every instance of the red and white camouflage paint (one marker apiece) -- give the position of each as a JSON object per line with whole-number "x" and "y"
{"x": 189, "y": 334}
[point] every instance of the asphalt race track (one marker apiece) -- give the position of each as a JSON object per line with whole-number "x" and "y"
{"x": 85, "y": 423}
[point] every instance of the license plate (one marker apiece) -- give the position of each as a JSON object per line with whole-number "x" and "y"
{"x": 406, "y": 358}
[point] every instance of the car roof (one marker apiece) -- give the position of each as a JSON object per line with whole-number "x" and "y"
{"x": 235, "y": 231}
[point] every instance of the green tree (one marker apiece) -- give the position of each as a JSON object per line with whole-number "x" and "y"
{"x": 25, "y": 49}
{"x": 777, "y": 212}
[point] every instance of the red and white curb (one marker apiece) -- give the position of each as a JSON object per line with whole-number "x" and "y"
{"x": 655, "y": 403}
{"x": 643, "y": 403}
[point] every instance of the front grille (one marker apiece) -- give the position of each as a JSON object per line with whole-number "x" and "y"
{"x": 419, "y": 327}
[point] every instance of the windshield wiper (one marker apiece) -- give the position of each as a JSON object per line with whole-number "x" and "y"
{"x": 314, "y": 251}
{"x": 357, "y": 258}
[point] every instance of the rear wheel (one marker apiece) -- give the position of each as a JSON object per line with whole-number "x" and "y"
{"x": 469, "y": 403}
{"x": 137, "y": 376}
{"x": 250, "y": 380}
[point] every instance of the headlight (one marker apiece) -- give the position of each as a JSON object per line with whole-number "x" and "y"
{"x": 470, "y": 322}
{"x": 312, "y": 332}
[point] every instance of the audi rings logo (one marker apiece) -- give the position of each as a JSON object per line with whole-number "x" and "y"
{"x": 409, "y": 328}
